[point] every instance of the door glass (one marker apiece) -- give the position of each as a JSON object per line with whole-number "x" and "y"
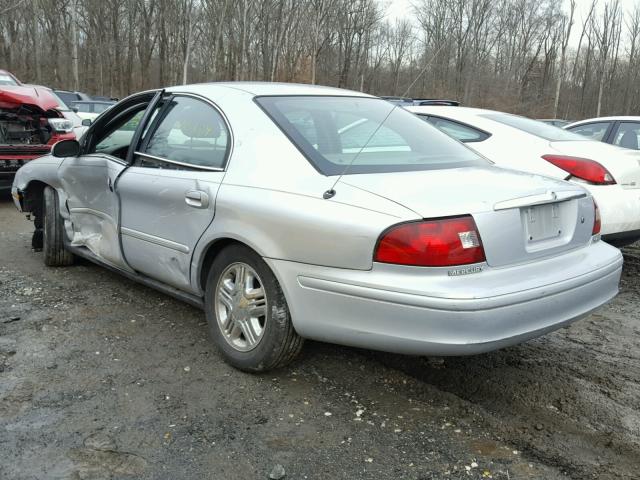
{"x": 191, "y": 132}
{"x": 594, "y": 131}
{"x": 627, "y": 135}
{"x": 462, "y": 133}
{"x": 117, "y": 142}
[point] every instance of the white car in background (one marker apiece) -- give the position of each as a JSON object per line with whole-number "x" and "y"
{"x": 620, "y": 131}
{"x": 90, "y": 109}
{"x": 611, "y": 174}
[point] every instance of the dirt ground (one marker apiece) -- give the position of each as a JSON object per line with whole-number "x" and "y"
{"x": 101, "y": 378}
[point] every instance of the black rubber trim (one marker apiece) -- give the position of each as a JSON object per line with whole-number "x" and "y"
{"x": 622, "y": 239}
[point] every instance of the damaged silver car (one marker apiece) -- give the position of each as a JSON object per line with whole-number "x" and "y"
{"x": 290, "y": 211}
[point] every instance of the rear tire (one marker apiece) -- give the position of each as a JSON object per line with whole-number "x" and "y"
{"x": 55, "y": 255}
{"x": 271, "y": 341}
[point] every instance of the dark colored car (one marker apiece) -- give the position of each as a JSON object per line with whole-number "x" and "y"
{"x": 69, "y": 97}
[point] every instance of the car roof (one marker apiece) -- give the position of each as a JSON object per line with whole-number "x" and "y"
{"x": 271, "y": 88}
{"x": 620, "y": 118}
{"x": 452, "y": 111}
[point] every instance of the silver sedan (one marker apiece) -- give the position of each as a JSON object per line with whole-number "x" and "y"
{"x": 289, "y": 212}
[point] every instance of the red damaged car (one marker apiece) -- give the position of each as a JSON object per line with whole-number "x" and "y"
{"x": 30, "y": 123}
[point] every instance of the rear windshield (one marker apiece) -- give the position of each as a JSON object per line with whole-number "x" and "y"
{"x": 534, "y": 127}
{"x": 372, "y": 133}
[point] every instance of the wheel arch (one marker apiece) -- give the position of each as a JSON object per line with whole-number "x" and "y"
{"x": 209, "y": 253}
{"x": 33, "y": 196}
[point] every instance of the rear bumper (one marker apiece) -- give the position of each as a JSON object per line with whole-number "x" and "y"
{"x": 427, "y": 313}
{"x": 619, "y": 209}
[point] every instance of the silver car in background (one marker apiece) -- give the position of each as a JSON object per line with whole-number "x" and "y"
{"x": 291, "y": 211}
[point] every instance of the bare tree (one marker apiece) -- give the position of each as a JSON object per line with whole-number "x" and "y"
{"x": 566, "y": 25}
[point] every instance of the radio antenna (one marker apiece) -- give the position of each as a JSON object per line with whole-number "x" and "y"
{"x": 331, "y": 192}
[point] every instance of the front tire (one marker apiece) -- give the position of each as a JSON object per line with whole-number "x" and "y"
{"x": 55, "y": 255}
{"x": 248, "y": 316}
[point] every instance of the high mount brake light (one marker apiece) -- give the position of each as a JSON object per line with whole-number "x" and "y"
{"x": 443, "y": 242}
{"x": 583, "y": 168}
{"x": 597, "y": 223}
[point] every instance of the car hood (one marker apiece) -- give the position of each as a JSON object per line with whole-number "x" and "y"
{"x": 14, "y": 96}
{"x": 457, "y": 191}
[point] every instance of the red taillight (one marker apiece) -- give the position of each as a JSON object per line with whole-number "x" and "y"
{"x": 583, "y": 168}
{"x": 432, "y": 243}
{"x": 597, "y": 223}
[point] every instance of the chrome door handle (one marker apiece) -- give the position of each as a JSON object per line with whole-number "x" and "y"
{"x": 196, "y": 199}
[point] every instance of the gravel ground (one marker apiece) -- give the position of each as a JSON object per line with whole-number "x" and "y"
{"x": 101, "y": 378}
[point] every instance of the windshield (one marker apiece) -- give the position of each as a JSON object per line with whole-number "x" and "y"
{"x": 332, "y": 132}
{"x": 7, "y": 79}
{"x": 534, "y": 127}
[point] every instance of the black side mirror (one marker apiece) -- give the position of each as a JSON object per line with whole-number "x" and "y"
{"x": 66, "y": 148}
{"x": 75, "y": 109}
{"x": 86, "y": 122}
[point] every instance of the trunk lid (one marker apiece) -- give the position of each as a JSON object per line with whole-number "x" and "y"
{"x": 622, "y": 163}
{"x": 520, "y": 216}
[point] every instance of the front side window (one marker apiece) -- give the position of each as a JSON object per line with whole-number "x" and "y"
{"x": 462, "y": 133}
{"x": 367, "y": 135}
{"x": 190, "y": 132}
{"x": 120, "y": 134}
{"x": 534, "y": 127}
{"x": 593, "y": 131}
{"x": 628, "y": 135}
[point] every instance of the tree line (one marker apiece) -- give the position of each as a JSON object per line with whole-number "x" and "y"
{"x": 536, "y": 57}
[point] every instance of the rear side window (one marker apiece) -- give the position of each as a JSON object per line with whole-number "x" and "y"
{"x": 191, "y": 132}
{"x": 534, "y": 127}
{"x": 369, "y": 134}
{"x": 462, "y": 133}
{"x": 593, "y": 131}
{"x": 100, "y": 107}
{"x": 628, "y": 135}
{"x": 83, "y": 107}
